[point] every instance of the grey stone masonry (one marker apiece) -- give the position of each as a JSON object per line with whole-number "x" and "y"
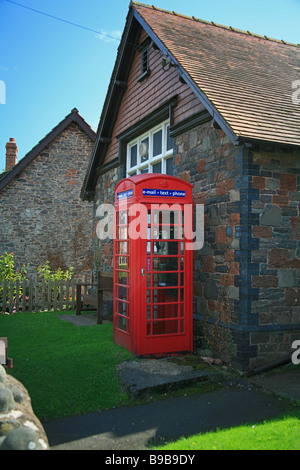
{"x": 41, "y": 214}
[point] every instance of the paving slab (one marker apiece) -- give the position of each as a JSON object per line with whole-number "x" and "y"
{"x": 149, "y": 375}
{"x": 284, "y": 382}
{"x": 89, "y": 319}
{"x": 80, "y": 320}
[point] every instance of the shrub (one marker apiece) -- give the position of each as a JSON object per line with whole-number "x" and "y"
{"x": 59, "y": 275}
{"x": 10, "y": 275}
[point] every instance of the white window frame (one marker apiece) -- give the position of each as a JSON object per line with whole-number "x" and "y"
{"x": 148, "y": 164}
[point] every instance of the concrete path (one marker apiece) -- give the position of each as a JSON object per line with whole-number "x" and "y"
{"x": 134, "y": 428}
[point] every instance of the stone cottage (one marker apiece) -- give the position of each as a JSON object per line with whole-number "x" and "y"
{"x": 42, "y": 216}
{"x": 214, "y": 105}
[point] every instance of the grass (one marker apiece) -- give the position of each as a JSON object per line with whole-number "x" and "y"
{"x": 279, "y": 434}
{"x": 70, "y": 370}
{"x": 67, "y": 370}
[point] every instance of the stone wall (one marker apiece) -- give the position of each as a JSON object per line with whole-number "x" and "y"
{"x": 206, "y": 158}
{"x": 41, "y": 214}
{"x": 276, "y": 232}
{"x": 20, "y": 429}
{"x": 248, "y": 270}
{"x": 103, "y": 249}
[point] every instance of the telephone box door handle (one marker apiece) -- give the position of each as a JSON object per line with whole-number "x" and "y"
{"x": 143, "y": 272}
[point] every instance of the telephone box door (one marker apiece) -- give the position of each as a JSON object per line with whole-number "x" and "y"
{"x": 166, "y": 294}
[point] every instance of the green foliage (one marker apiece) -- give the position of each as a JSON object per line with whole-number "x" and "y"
{"x": 47, "y": 274}
{"x": 8, "y": 271}
{"x": 11, "y": 277}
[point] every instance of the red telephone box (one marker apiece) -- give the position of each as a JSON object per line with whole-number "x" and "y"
{"x": 153, "y": 269}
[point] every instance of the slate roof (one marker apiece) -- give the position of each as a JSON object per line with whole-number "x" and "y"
{"x": 246, "y": 78}
{"x": 74, "y": 116}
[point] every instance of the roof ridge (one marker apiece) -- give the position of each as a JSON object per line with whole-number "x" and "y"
{"x": 212, "y": 23}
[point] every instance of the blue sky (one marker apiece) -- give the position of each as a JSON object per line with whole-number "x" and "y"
{"x": 49, "y": 67}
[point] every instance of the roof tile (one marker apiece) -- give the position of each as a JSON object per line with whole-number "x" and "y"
{"x": 247, "y": 77}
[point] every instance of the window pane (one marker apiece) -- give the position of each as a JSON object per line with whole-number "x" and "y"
{"x": 169, "y": 140}
{"x": 133, "y": 156}
{"x": 122, "y": 293}
{"x": 165, "y": 327}
{"x": 165, "y": 264}
{"x": 122, "y": 262}
{"x": 122, "y": 323}
{"x": 165, "y": 248}
{"x": 144, "y": 149}
{"x": 122, "y": 233}
{"x": 122, "y": 217}
{"x": 122, "y": 248}
{"x": 156, "y": 168}
{"x": 169, "y": 166}
{"x": 144, "y": 170}
{"x": 122, "y": 277}
{"x": 122, "y": 308}
{"x": 157, "y": 143}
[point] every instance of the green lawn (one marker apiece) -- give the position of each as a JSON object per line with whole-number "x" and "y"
{"x": 280, "y": 434}
{"x": 67, "y": 370}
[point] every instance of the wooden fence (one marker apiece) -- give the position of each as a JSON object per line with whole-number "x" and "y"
{"x": 37, "y": 296}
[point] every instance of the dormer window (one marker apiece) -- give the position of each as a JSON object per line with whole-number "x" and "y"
{"x": 144, "y": 52}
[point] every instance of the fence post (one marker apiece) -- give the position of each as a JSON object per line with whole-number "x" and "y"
{"x": 67, "y": 294}
{"x": 55, "y": 295}
{"x": 43, "y": 296}
{"x": 4, "y": 296}
{"x": 11, "y": 296}
{"x": 17, "y": 295}
{"x": 78, "y": 299}
{"x": 30, "y": 296}
{"x": 73, "y": 294}
{"x": 35, "y": 296}
{"x": 49, "y": 293}
{"x": 24, "y": 295}
{"x": 61, "y": 295}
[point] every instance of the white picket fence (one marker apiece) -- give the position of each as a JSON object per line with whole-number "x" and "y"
{"x": 37, "y": 296}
